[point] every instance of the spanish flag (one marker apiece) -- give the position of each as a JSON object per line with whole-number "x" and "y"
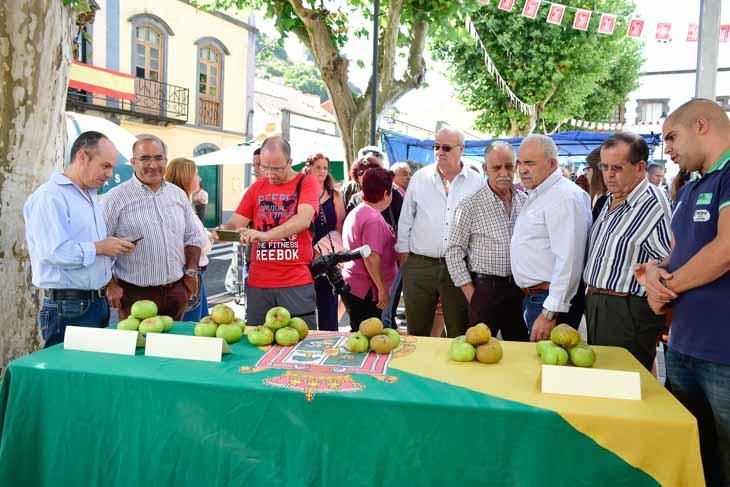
{"x": 101, "y": 81}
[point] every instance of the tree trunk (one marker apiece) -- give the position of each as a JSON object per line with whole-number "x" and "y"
{"x": 35, "y": 55}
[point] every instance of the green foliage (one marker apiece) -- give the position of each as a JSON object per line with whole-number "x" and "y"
{"x": 78, "y": 5}
{"x": 565, "y": 72}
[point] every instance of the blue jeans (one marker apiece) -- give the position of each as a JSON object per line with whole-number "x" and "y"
{"x": 704, "y": 388}
{"x": 388, "y": 317}
{"x": 201, "y": 309}
{"x": 54, "y": 316}
{"x": 532, "y": 307}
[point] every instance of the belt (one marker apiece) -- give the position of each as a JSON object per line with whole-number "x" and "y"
{"x": 440, "y": 260}
{"x": 477, "y": 276}
{"x": 609, "y": 292}
{"x": 64, "y": 294}
{"x": 541, "y": 288}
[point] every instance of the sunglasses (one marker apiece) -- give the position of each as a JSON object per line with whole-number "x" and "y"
{"x": 444, "y": 147}
{"x": 372, "y": 152}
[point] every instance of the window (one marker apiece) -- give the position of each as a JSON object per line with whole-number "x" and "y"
{"x": 209, "y": 90}
{"x": 724, "y": 102}
{"x": 619, "y": 114}
{"x": 148, "y": 53}
{"x": 651, "y": 111}
{"x": 204, "y": 149}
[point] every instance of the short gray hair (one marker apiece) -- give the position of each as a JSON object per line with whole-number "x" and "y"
{"x": 546, "y": 143}
{"x": 149, "y": 138}
{"x": 399, "y": 165}
{"x": 451, "y": 130}
{"x": 500, "y": 145}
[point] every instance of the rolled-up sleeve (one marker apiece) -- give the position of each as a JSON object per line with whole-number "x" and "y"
{"x": 458, "y": 246}
{"x": 192, "y": 230}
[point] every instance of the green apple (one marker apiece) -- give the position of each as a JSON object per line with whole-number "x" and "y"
{"x": 462, "y": 351}
{"x": 277, "y": 317}
{"x": 206, "y": 319}
{"x": 357, "y": 343}
{"x": 554, "y": 356}
{"x": 565, "y": 336}
{"x": 205, "y": 329}
{"x": 299, "y": 325}
{"x": 260, "y": 336}
{"x": 240, "y": 323}
{"x": 393, "y": 335}
{"x": 222, "y": 314}
{"x": 152, "y": 325}
{"x": 582, "y": 356}
{"x": 542, "y": 345}
{"x": 167, "y": 321}
{"x": 287, "y": 336}
{"x": 230, "y": 333}
{"x": 144, "y": 309}
{"x": 128, "y": 324}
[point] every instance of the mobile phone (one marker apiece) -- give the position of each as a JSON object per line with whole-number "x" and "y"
{"x": 134, "y": 241}
{"x": 229, "y": 235}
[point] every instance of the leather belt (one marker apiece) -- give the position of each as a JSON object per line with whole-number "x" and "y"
{"x": 65, "y": 294}
{"x": 541, "y": 288}
{"x": 608, "y": 292}
{"x": 440, "y": 260}
{"x": 477, "y": 276}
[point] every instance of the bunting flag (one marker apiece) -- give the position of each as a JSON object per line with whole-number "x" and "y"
{"x": 494, "y": 73}
{"x": 607, "y": 25}
{"x": 582, "y": 19}
{"x": 693, "y": 32}
{"x": 663, "y": 31}
{"x": 555, "y": 16}
{"x": 636, "y": 28}
{"x": 531, "y": 8}
{"x": 506, "y": 5}
{"x": 724, "y": 32}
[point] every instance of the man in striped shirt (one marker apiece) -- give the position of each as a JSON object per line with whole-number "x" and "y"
{"x": 632, "y": 228}
{"x": 164, "y": 267}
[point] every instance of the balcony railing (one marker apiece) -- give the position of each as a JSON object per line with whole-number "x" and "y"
{"x": 153, "y": 100}
{"x": 210, "y": 113}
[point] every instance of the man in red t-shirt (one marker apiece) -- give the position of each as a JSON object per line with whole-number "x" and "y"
{"x": 281, "y": 206}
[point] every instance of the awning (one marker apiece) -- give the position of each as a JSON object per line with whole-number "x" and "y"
{"x": 101, "y": 81}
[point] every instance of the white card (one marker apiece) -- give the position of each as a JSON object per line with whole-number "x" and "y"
{"x": 106, "y": 340}
{"x": 185, "y": 347}
{"x": 578, "y": 381}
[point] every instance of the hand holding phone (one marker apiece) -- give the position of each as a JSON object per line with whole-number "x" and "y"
{"x": 229, "y": 235}
{"x": 135, "y": 240}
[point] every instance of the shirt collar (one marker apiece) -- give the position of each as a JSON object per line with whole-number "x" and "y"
{"x": 143, "y": 186}
{"x": 62, "y": 180}
{"x": 721, "y": 163}
{"x": 464, "y": 168}
{"x": 549, "y": 182}
{"x": 634, "y": 195}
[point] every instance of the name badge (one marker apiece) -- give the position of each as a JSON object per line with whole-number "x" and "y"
{"x": 702, "y": 216}
{"x": 704, "y": 199}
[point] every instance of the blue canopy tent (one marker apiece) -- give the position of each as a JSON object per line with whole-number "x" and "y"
{"x": 570, "y": 144}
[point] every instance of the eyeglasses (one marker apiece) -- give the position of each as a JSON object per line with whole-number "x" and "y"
{"x": 371, "y": 152}
{"x": 618, "y": 168}
{"x": 274, "y": 169}
{"x": 146, "y": 159}
{"x": 444, "y": 147}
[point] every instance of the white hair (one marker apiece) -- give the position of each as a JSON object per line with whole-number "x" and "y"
{"x": 150, "y": 138}
{"x": 550, "y": 150}
{"x": 501, "y": 145}
{"x": 399, "y": 165}
{"x": 450, "y": 130}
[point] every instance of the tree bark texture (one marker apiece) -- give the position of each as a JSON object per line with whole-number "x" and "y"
{"x": 35, "y": 55}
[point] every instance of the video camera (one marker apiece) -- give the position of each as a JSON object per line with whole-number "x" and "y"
{"x": 326, "y": 265}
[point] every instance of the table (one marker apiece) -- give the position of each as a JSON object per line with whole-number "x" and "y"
{"x": 80, "y": 418}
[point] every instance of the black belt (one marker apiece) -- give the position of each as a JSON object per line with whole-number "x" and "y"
{"x": 476, "y": 276}
{"x": 64, "y": 294}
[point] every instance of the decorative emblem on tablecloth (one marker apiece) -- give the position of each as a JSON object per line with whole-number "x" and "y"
{"x": 312, "y": 383}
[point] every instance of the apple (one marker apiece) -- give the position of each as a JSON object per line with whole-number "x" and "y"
{"x": 206, "y": 319}
{"x": 287, "y": 336}
{"x": 277, "y": 317}
{"x": 152, "y": 325}
{"x": 260, "y": 335}
{"x": 222, "y": 314}
{"x": 299, "y": 325}
{"x": 555, "y": 356}
{"x": 144, "y": 309}
{"x": 205, "y": 329}
{"x": 582, "y": 356}
{"x": 393, "y": 335}
{"x": 371, "y": 327}
{"x": 542, "y": 345}
{"x": 240, "y": 323}
{"x": 230, "y": 333}
{"x": 357, "y": 343}
{"x": 167, "y": 322}
{"x": 462, "y": 351}
{"x": 128, "y": 324}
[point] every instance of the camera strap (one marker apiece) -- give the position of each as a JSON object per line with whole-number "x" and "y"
{"x": 299, "y": 194}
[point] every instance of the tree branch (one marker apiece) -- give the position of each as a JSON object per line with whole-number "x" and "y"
{"x": 415, "y": 73}
{"x": 389, "y": 42}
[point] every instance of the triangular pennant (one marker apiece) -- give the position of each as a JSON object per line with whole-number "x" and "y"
{"x": 636, "y": 28}
{"x": 724, "y": 32}
{"x": 531, "y": 8}
{"x": 582, "y": 19}
{"x": 506, "y": 5}
{"x": 693, "y": 31}
{"x": 663, "y": 31}
{"x": 607, "y": 25}
{"x": 555, "y": 16}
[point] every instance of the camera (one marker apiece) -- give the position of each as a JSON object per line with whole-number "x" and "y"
{"x": 327, "y": 265}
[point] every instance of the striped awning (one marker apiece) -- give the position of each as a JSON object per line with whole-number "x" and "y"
{"x": 101, "y": 81}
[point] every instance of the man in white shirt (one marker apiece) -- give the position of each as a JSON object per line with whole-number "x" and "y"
{"x": 433, "y": 194}
{"x": 548, "y": 245}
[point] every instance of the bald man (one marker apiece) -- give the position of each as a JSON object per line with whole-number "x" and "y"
{"x": 695, "y": 279}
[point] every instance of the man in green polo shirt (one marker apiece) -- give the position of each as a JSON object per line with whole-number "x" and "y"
{"x": 695, "y": 279}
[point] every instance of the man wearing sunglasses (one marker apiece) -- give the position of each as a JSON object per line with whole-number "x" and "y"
{"x": 433, "y": 194}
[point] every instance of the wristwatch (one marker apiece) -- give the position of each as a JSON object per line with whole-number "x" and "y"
{"x": 191, "y": 272}
{"x": 549, "y": 315}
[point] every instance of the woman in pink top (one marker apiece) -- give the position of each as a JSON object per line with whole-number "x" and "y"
{"x": 370, "y": 279}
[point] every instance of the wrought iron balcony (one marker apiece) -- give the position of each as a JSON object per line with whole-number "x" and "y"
{"x": 153, "y": 101}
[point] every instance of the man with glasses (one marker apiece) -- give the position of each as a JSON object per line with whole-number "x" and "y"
{"x": 548, "y": 245}
{"x": 70, "y": 253}
{"x": 281, "y": 206}
{"x": 433, "y": 194}
{"x": 632, "y": 228}
{"x": 164, "y": 267}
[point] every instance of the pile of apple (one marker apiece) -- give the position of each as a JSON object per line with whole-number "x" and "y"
{"x": 221, "y": 323}
{"x": 478, "y": 343}
{"x": 372, "y": 336}
{"x": 278, "y": 326}
{"x": 565, "y": 347}
{"x": 143, "y": 318}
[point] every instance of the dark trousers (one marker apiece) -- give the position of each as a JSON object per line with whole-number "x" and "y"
{"x": 425, "y": 279}
{"x": 55, "y": 315}
{"x": 497, "y": 302}
{"x": 360, "y": 309}
{"x": 326, "y": 305}
{"x": 171, "y": 299}
{"x": 624, "y": 321}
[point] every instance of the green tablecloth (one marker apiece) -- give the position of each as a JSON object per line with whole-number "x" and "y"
{"x": 71, "y": 418}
